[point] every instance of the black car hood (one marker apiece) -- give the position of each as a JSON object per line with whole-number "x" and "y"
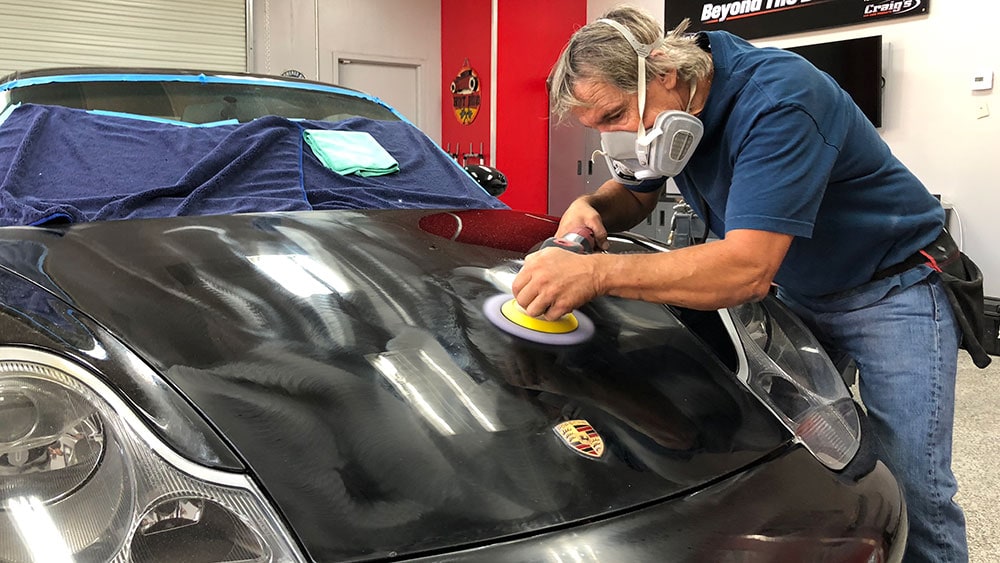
{"x": 346, "y": 357}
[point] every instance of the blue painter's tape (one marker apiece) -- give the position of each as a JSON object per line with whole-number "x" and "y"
{"x": 162, "y": 119}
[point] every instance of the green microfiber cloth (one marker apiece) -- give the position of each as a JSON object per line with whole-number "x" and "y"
{"x": 350, "y": 152}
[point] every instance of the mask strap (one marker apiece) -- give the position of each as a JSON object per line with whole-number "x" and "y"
{"x": 642, "y": 51}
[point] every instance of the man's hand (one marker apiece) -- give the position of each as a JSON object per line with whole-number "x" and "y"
{"x": 553, "y": 282}
{"x": 582, "y": 214}
{"x": 612, "y": 207}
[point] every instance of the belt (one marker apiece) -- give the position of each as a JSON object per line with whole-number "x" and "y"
{"x": 938, "y": 255}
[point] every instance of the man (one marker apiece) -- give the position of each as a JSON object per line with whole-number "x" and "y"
{"x": 805, "y": 197}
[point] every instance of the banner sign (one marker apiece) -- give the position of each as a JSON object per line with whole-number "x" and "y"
{"x": 751, "y": 19}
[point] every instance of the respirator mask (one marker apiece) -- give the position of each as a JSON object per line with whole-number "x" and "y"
{"x": 660, "y": 152}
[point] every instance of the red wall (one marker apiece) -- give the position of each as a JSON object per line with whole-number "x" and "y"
{"x": 531, "y": 33}
{"x": 465, "y": 34}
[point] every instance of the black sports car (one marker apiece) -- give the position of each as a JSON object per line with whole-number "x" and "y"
{"x": 191, "y": 376}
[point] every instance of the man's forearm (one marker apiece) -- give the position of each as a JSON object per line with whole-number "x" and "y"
{"x": 722, "y": 273}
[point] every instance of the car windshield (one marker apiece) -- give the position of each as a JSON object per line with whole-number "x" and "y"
{"x": 197, "y": 101}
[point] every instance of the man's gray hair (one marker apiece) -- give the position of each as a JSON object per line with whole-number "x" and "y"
{"x": 600, "y": 53}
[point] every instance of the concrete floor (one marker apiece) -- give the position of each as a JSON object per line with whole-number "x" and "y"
{"x": 976, "y": 460}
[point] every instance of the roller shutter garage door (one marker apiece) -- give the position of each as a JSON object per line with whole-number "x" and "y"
{"x": 196, "y": 34}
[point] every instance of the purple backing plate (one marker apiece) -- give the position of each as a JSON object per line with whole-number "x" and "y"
{"x": 491, "y": 308}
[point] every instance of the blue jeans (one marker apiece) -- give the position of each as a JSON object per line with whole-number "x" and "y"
{"x": 902, "y": 335}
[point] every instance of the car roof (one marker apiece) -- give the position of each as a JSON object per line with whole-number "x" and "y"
{"x": 139, "y": 71}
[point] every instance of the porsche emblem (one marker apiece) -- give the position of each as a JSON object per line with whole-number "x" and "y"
{"x": 581, "y": 436}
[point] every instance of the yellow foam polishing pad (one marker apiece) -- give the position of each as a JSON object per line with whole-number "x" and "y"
{"x": 515, "y": 314}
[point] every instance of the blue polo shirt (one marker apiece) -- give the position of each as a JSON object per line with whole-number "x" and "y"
{"x": 786, "y": 150}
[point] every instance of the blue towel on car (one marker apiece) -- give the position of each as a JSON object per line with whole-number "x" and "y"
{"x": 60, "y": 164}
{"x": 63, "y": 164}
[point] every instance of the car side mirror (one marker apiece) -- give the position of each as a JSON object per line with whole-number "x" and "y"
{"x": 491, "y": 179}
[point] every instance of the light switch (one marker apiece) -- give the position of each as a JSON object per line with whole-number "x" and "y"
{"x": 982, "y": 110}
{"x": 982, "y": 80}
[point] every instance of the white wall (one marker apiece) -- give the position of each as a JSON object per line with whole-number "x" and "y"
{"x": 305, "y": 34}
{"x": 284, "y": 37}
{"x": 596, "y": 8}
{"x": 930, "y": 120}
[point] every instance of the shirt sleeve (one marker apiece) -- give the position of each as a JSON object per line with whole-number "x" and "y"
{"x": 781, "y": 172}
{"x": 646, "y": 186}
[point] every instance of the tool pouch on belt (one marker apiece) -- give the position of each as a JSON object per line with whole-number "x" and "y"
{"x": 963, "y": 282}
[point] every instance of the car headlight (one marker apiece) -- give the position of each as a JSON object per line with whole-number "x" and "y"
{"x": 788, "y": 370}
{"x": 82, "y": 479}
